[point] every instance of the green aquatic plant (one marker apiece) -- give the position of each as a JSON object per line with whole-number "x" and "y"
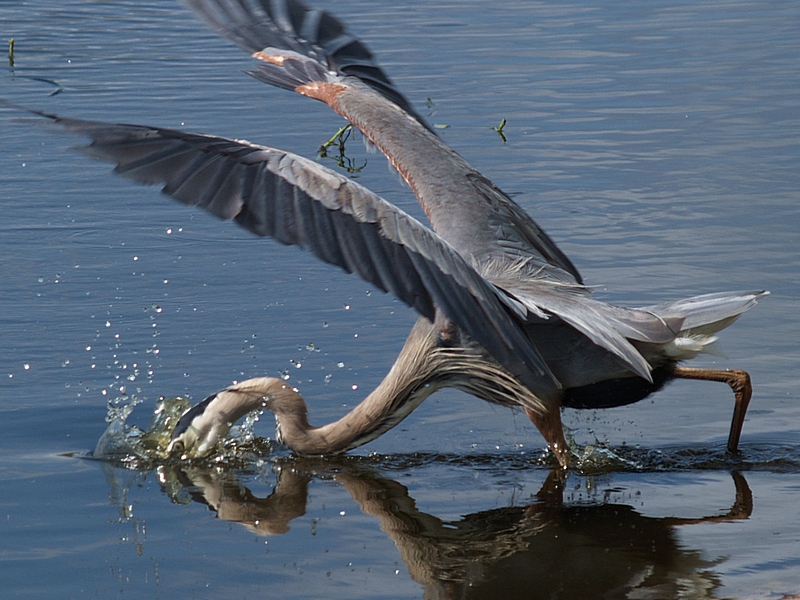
{"x": 338, "y": 138}
{"x": 499, "y": 129}
{"x": 343, "y": 161}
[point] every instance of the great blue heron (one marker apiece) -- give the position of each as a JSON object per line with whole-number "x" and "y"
{"x": 505, "y": 315}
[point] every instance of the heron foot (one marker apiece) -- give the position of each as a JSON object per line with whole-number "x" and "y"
{"x": 742, "y": 390}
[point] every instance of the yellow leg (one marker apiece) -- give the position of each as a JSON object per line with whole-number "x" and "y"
{"x": 742, "y": 390}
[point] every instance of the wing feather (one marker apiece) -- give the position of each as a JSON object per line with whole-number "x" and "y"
{"x": 255, "y": 25}
{"x": 299, "y": 202}
{"x": 311, "y": 52}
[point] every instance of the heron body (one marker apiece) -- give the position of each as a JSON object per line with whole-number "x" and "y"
{"x": 504, "y": 314}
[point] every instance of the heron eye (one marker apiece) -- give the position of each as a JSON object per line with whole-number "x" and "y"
{"x": 178, "y": 447}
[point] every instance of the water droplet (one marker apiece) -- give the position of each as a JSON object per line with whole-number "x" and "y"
{"x": 340, "y": 365}
{"x": 354, "y": 386}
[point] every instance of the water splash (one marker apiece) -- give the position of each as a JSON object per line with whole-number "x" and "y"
{"x": 130, "y": 444}
{"x": 165, "y": 417}
{"x": 131, "y": 447}
{"x": 602, "y": 459}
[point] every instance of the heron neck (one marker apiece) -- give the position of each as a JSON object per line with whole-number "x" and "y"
{"x": 435, "y": 172}
{"x": 409, "y": 382}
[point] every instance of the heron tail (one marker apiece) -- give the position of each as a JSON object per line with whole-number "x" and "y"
{"x": 708, "y": 313}
{"x": 703, "y": 316}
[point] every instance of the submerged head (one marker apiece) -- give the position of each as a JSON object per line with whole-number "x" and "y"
{"x": 202, "y": 427}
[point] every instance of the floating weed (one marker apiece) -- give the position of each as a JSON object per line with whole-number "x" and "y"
{"x": 499, "y": 129}
{"x": 343, "y": 161}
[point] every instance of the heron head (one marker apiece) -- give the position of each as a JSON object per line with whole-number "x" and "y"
{"x": 199, "y": 430}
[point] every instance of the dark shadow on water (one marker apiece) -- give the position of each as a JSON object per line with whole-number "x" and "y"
{"x": 547, "y": 548}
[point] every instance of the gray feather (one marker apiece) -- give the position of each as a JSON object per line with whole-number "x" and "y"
{"x": 709, "y": 313}
{"x": 299, "y": 202}
{"x": 255, "y": 25}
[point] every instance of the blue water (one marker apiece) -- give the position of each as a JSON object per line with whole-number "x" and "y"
{"x": 658, "y": 143}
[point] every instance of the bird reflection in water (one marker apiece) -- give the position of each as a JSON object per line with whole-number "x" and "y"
{"x": 547, "y": 549}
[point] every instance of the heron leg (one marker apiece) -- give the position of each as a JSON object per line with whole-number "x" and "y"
{"x": 742, "y": 390}
{"x": 549, "y": 425}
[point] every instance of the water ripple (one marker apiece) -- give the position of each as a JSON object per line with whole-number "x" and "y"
{"x": 129, "y": 447}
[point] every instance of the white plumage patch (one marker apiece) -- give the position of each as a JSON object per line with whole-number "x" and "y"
{"x": 685, "y": 347}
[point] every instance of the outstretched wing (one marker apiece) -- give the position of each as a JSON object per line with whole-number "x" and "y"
{"x": 311, "y": 52}
{"x": 299, "y": 202}
{"x": 282, "y": 25}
